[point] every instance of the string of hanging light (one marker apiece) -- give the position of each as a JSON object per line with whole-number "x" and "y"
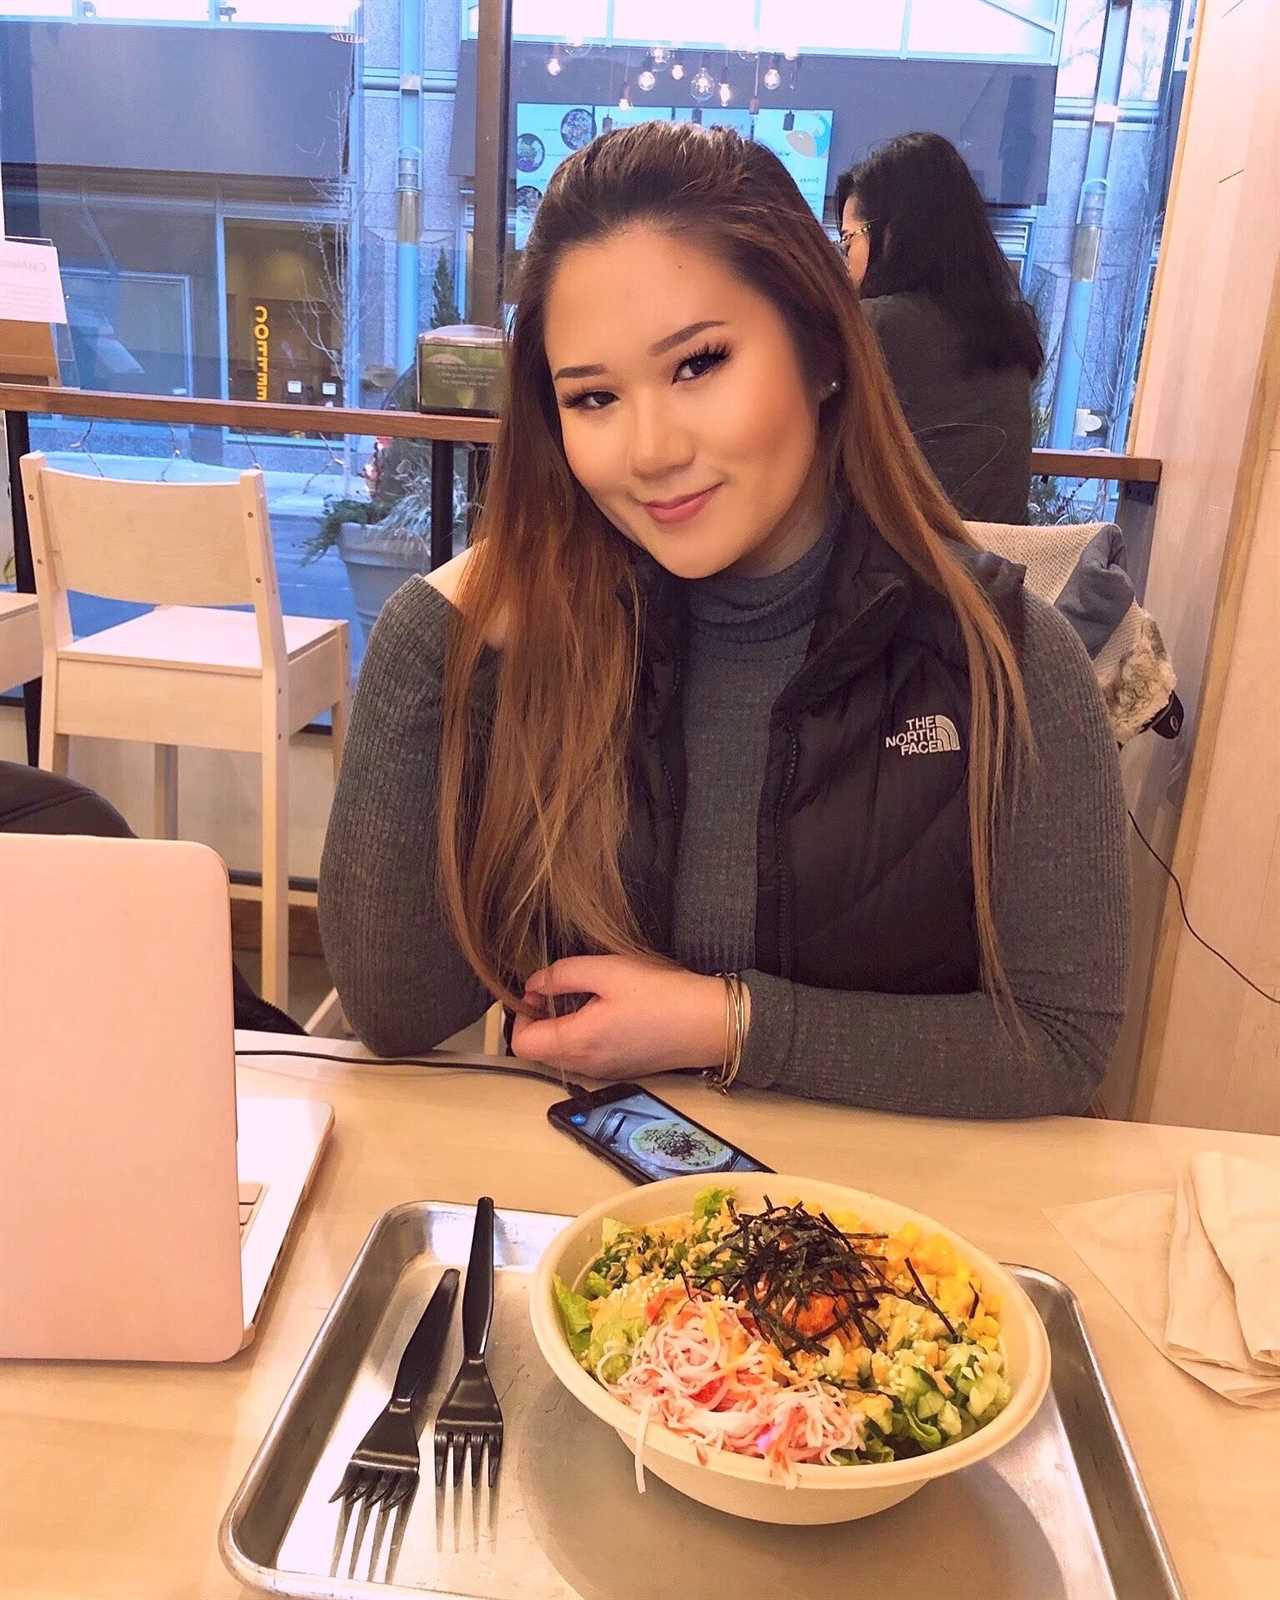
{"x": 766, "y": 71}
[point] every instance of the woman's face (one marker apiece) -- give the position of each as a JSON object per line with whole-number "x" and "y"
{"x": 855, "y": 240}
{"x": 685, "y": 411}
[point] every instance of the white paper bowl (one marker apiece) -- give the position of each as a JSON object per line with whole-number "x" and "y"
{"x": 741, "y": 1485}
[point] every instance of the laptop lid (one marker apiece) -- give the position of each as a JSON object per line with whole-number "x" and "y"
{"x": 120, "y": 1229}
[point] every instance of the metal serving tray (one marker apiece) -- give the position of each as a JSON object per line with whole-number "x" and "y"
{"x": 1060, "y": 1514}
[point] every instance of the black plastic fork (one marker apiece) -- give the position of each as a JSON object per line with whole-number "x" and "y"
{"x": 384, "y": 1469}
{"x": 470, "y": 1418}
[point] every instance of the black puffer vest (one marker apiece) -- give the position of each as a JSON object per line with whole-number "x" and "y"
{"x": 864, "y": 877}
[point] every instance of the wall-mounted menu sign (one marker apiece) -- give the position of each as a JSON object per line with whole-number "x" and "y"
{"x": 546, "y": 134}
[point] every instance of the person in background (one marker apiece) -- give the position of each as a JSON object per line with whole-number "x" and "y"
{"x": 723, "y": 703}
{"x": 960, "y": 342}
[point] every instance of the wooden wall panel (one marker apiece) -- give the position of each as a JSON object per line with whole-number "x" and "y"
{"x": 1196, "y": 398}
{"x": 1212, "y": 1056}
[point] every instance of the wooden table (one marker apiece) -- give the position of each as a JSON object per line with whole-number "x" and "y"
{"x": 20, "y": 653}
{"x": 113, "y": 1478}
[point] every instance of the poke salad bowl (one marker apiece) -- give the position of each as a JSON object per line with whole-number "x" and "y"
{"x": 744, "y": 1485}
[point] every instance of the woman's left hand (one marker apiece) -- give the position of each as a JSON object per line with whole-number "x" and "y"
{"x": 642, "y": 1018}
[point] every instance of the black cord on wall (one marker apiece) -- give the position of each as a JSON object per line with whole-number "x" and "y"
{"x": 1182, "y": 906}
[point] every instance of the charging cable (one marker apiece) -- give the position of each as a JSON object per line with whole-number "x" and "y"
{"x": 418, "y": 1061}
{"x": 1182, "y": 906}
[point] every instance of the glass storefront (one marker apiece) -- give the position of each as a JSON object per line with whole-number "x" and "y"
{"x": 285, "y": 312}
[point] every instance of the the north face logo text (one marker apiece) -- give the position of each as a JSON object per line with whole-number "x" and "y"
{"x": 924, "y": 736}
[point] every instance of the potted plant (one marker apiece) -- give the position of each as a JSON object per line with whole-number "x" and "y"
{"x": 384, "y": 537}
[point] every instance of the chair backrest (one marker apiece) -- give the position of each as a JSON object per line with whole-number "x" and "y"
{"x": 1078, "y": 568}
{"x": 1051, "y": 554}
{"x": 182, "y": 544}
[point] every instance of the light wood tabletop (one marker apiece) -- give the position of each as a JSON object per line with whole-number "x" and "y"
{"x": 113, "y": 1478}
{"x": 20, "y": 652}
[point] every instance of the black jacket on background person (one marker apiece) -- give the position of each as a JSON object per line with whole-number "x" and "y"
{"x": 973, "y": 424}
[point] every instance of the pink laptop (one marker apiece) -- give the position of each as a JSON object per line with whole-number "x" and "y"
{"x": 134, "y": 1228}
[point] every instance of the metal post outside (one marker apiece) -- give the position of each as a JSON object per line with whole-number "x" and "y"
{"x": 493, "y": 117}
{"x": 441, "y": 502}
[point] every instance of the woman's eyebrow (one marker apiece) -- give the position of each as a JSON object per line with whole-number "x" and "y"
{"x": 659, "y": 349}
{"x": 673, "y": 339}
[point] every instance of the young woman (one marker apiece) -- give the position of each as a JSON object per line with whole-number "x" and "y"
{"x": 960, "y": 342}
{"x": 722, "y": 688}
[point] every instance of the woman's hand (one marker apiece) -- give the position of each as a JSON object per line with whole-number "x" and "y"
{"x": 642, "y": 1018}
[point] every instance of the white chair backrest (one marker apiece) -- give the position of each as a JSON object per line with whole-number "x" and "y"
{"x": 1049, "y": 553}
{"x": 1079, "y": 569}
{"x": 192, "y": 544}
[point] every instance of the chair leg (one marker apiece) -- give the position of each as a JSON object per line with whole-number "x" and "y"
{"x": 341, "y": 709}
{"x": 166, "y": 792}
{"x": 328, "y": 1020}
{"x": 55, "y": 748}
{"x": 275, "y": 871}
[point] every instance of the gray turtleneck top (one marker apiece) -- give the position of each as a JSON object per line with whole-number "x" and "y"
{"x": 1061, "y": 878}
{"x": 747, "y": 639}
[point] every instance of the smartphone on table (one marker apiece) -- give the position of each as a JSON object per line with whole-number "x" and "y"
{"x": 644, "y": 1137}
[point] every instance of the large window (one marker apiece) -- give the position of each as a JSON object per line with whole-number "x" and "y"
{"x": 216, "y": 13}
{"x": 1065, "y": 110}
{"x": 286, "y": 247}
{"x": 291, "y": 245}
{"x": 129, "y": 330}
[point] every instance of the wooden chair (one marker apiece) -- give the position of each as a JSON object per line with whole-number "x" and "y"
{"x": 182, "y": 674}
{"x": 19, "y": 639}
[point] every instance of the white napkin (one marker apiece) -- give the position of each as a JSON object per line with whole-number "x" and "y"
{"x": 1215, "y": 1315}
{"x": 1239, "y": 1204}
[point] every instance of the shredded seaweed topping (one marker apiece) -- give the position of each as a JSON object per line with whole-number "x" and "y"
{"x": 803, "y": 1279}
{"x": 928, "y": 1300}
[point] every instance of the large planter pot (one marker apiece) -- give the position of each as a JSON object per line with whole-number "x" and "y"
{"x": 377, "y": 564}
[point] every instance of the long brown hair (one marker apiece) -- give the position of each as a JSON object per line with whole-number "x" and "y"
{"x": 533, "y": 802}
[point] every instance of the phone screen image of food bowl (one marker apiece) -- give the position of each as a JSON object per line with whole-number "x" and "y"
{"x": 650, "y": 1136}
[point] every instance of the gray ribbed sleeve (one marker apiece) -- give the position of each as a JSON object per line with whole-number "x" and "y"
{"x": 403, "y": 982}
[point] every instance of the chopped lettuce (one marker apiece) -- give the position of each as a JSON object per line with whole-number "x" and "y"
{"x": 708, "y": 1204}
{"x": 575, "y": 1318}
{"x": 594, "y": 1286}
{"x": 617, "y": 1323}
{"x": 924, "y": 1434}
